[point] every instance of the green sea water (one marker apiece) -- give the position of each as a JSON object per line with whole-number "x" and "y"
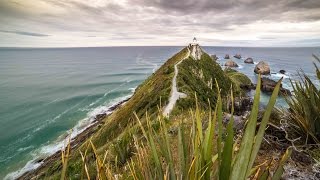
{"x": 46, "y": 92}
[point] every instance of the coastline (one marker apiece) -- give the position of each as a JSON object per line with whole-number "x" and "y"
{"x": 75, "y": 142}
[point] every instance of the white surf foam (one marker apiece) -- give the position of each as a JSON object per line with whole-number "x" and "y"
{"x": 24, "y": 148}
{"x": 60, "y": 143}
{"x": 28, "y": 167}
{"x": 133, "y": 89}
{"x": 140, "y": 60}
{"x": 126, "y": 80}
{"x": 279, "y": 75}
{"x": 155, "y": 67}
{"x": 240, "y": 67}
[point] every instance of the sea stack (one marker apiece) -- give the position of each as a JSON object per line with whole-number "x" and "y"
{"x": 231, "y": 63}
{"x": 238, "y": 56}
{"x": 268, "y": 85}
{"x": 262, "y": 68}
{"x": 227, "y": 56}
{"x": 282, "y": 71}
{"x": 248, "y": 61}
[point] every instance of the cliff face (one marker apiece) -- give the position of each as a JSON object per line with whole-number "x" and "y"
{"x": 195, "y": 51}
{"x": 196, "y": 73}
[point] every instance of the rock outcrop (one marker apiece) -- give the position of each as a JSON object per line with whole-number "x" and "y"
{"x": 268, "y": 85}
{"x": 214, "y": 57}
{"x": 195, "y": 51}
{"x": 241, "y": 105}
{"x": 262, "y": 68}
{"x": 231, "y": 63}
{"x": 238, "y": 121}
{"x": 227, "y": 56}
{"x": 248, "y": 61}
{"x": 238, "y": 56}
{"x": 282, "y": 71}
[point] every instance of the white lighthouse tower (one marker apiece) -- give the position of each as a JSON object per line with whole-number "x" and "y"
{"x": 194, "y": 42}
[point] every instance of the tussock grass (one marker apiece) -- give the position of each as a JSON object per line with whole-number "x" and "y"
{"x": 304, "y": 108}
{"x": 199, "y": 155}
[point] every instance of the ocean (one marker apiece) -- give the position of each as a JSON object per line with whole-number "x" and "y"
{"x": 48, "y": 93}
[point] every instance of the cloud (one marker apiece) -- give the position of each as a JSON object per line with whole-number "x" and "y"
{"x": 25, "y": 33}
{"x": 304, "y": 4}
{"x": 158, "y": 22}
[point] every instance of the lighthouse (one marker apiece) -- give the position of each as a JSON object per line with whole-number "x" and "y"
{"x": 194, "y": 42}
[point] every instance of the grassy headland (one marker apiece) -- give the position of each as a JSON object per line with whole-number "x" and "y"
{"x": 137, "y": 142}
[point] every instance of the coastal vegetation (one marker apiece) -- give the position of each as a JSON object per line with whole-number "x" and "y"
{"x": 196, "y": 152}
{"x": 200, "y": 77}
{"x": 240, "y": 81}
{"x": 196, "y": 141}
{"x": 304, "y": 109}
{"x": 200, "y": 154}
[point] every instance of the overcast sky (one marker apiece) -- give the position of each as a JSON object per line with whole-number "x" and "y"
{"x": 64, "y": 23}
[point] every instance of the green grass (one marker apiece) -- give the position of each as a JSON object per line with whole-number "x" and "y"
{"x": 239, "y": 81}
{"x": 199, "y": 77}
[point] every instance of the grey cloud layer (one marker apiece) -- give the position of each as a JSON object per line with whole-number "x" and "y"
{"x": 153, "y": 19}
{"x": 26, "y": 33}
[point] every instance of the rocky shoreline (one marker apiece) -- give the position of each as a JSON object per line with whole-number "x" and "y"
{"x": 75, "y": 142}
{"x": 263, "y": 68}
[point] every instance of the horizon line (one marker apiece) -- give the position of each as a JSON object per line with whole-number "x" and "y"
{"x": 65, "y": 47}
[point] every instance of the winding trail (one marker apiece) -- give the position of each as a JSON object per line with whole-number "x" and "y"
{"x": 175, "y": 95}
